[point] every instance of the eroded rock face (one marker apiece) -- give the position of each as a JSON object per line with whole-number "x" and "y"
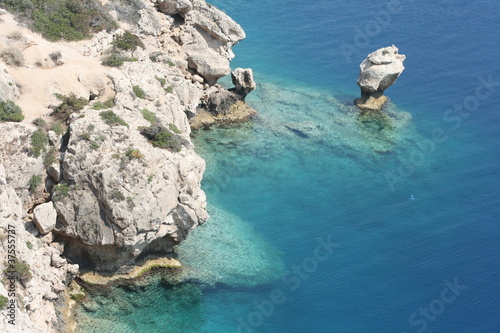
{"x": 243, "y": 81}
{"x": 378, "y": 72}
{"x": 206, "y": 35}
{"x": 117, "y": 206}
{"x": 8, "y": 88}
{"x": 49, "y": 273}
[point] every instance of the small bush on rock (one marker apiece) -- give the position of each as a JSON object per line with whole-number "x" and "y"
{"x": 35, "y": 180}
{"x": 69, "y": 104}
{"x": 161, "y": 137}
{"x": 149, "y": 116}
{"x": 60, "y": 191}
{"x": 104, "y": 105}
{"x": 3, "y": 301}
{"x": 40, "y": 123}
{"x": 133, "y": 153}
{"x": 9, "y": 111}
{"x": 19, "y": 270}
{"x": 116, "y": 60}
{"x": 174, "y": 128}
{"x": 111, "y": 118}
{"x": 127, "y": 42}
{"x": 139, "y": 92}
{"x": 39, "y": 142}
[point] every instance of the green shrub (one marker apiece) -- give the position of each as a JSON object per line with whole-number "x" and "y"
{"x": 39, "y": 142}
{"x": 117, "y": 195}
{"x": 94, "y": 145}
{"x": 29, "y": 245}
{"x": 10, "y": 111}
{"x": 170, "y": 63}
{"x": 169, "y": 90}
{"x": 35, "y": 180}
{"x": 161, "y": 80}
{"x": 39, "y": 122}
{"x": 174, "y": 128}
{"x": 60, "y": 191}
{"x": 111, "y": 118}
{"x": 139, "y": 92}
{"x": 3, "y": 301}
{"x": 19, "y": 269}
{"x": 133, "y": 153}
{"x": 77, "y": 297}
{"x": 149, "y": 116}
{"x": 127, "y": 42}
{"x": 104, "y": 105}
{"x": 69, "y": 104}
{"x": 161, "y": 137}
{"x": 57, "y": 128}
{"x": 50, "y": 157}
{"x": 116, "y": 60}
{"x": 12, "y": 56}
{"x": 61, "y": 19}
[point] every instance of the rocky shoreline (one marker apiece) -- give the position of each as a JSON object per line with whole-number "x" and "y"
{"x": 120, "y": 182}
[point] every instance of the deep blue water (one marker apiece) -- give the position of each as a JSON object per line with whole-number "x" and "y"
{"x": 282, "y": 192}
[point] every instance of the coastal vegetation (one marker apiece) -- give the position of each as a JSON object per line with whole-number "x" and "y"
{"x": 12, "y": 56}
{"x": 139, "y": 92}
{"x": 9, "y": 111}
{"x": 35, "y": 180}
{"x": 61, "y": 19}
{"x": 127, "y": 42}
{"x": 3, "y": 301}
{"x": 61, "y": 190}
{"x": 161, "y": 137}
{"x": 69, "y": 104}
{"x": 104, "y": 105}
{"x": 111, "y": 118}
{"x": 19, "y": 269}
{"x": 149, "y": 116}
{"x": 39, "y": 142}
{"x": 116, "y": 60}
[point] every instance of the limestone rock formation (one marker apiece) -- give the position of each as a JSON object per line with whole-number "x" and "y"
{"x": 48, "y": 273}
{"x": 243, "y": 81}
{"x": 45, "y": 216}
{"x": 8, "y": 88}
{"x": 133, "y": 198}
{"x": 378, "y": 72}
{"x": 20, "y": 162}
{"x": 206, "y": 35}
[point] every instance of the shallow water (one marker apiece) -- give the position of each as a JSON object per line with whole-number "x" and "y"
{"x": 309, "y": 170}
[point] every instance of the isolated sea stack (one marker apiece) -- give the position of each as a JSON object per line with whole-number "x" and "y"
{"x": 378, "y": 72}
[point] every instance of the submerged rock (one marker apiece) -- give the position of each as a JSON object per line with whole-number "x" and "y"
{"x": 378, "y": 72}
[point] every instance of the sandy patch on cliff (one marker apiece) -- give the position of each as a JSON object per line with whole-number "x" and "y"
{"x": 40, "y": 77}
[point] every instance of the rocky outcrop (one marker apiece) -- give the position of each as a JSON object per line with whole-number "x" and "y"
{"x": 222, "y": 106}
{"x": 206, "y": 35}
{"x": 378, "y": 72}
{"x": 8, "y": 88}
{"x": 243, "y": 81}
{"x": 44, "y": 280}
{"x": 21, "y": 164}
{"x": 134, "y": 199}
{"x": 44, "y": 217}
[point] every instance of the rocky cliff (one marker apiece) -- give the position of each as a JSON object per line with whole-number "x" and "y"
{"x": 121, "y": 182}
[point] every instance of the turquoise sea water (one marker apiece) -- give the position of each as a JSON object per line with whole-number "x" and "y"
{"x": 309, "y": 171}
